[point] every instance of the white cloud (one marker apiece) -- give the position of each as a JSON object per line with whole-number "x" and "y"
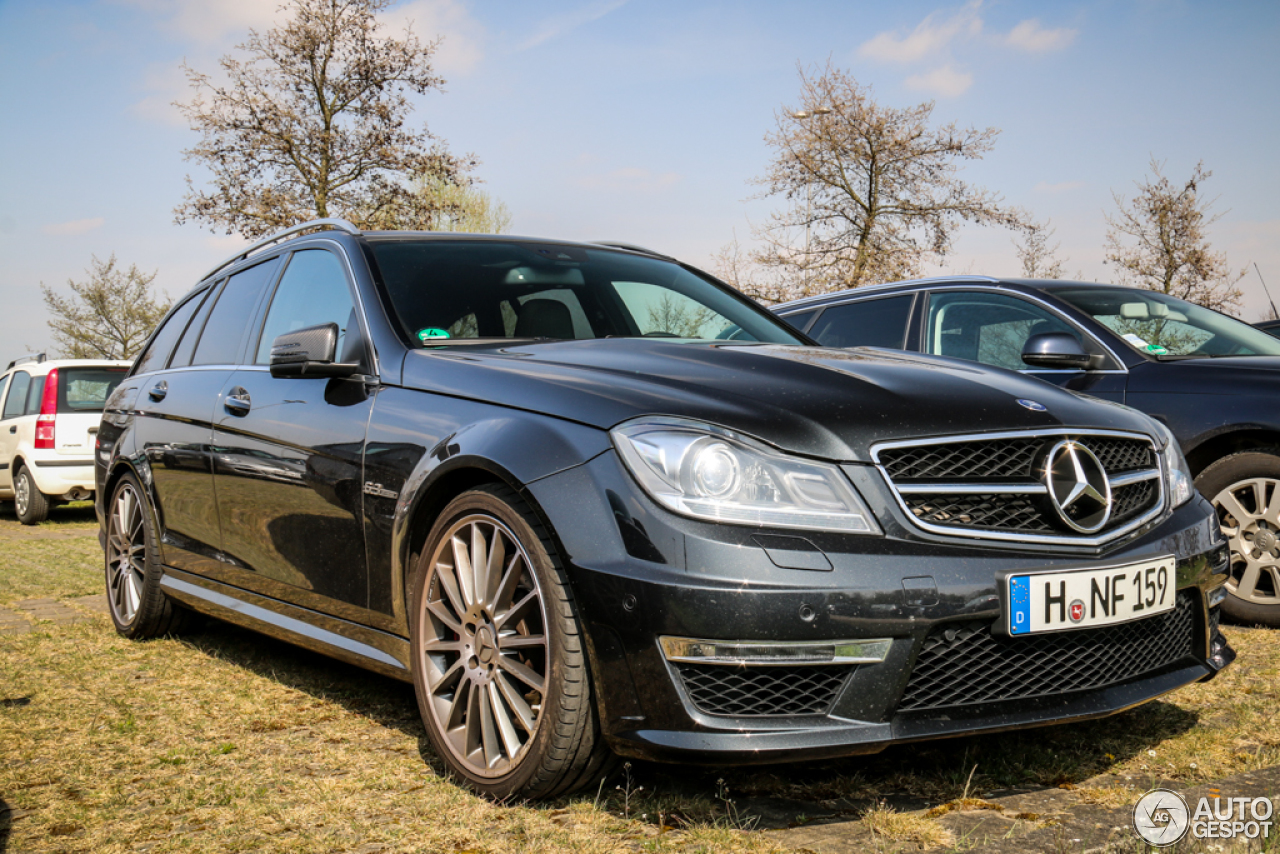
{"x": 947, "y": 81}
{"x": 201, "y": 23}
{"x": 1060, "y": 187}
{"x": 75, "y": 226}
{"x": 934, "y": 34}
{"x": 558, "y": 25}
{"x": 165, "y": 83}
{"x": 462, "y": 36}
{"x": 628, "y": 179}
{"x": 1033, "y": 38}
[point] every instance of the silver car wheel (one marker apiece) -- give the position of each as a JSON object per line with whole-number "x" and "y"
{"x": 126, "y": 554}
{"x": 484, "y": 652}
{"x": 22, "y": 494}
{"x": 1249, "y": 513}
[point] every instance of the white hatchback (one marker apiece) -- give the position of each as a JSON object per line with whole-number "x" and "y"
{"x": 49, "y": 414}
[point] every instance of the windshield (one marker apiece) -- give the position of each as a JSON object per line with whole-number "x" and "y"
{"x": 1158, "y": 325}
{"x": 444, "y": 291}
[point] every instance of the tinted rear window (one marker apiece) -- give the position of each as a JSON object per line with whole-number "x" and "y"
{"x": 873, "y": 323}
{"x": 225, "y": 328}
{"x": 87, "y": 389}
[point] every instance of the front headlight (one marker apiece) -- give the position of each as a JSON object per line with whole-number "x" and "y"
{"x": 707, "y": 472}
{"x": 1177, "y": 475}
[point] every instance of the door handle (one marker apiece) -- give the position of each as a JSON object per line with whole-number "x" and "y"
{"x": 13, "y": 429}
{"x": 159, "y": 390}
{"x": 237, "y": 401}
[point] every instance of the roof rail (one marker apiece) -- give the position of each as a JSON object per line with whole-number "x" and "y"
{"x": 338, "y": 224}
{"x": 879, "y": 286}
{"x": 34, "y": 357}
{"x": 616, "y": 244}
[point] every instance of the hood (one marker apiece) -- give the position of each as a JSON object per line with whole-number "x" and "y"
{"x": 1217, "y": 375}
{"x": 827, "y": 403}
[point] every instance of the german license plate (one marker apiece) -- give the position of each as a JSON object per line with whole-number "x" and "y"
{"x": 1081, "y": 598}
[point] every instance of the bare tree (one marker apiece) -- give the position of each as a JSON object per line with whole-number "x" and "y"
{"x": 312, "y": 122}
{"x": 1039, "y": 259}
{"x": 110, "y": 315}
{"x": 738, "y": 268}
{"x": 463, "y": 208}
{"x": 872, "y": 191}
{"x": 1158, "y": 242}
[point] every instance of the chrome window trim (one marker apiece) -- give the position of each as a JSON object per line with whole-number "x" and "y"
{"x": 1052, "y": 309}
{"x": 984, "y": 285}
{"x": 1027, "y": 537}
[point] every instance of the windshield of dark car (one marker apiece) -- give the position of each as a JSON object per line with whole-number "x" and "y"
{"x": 1158, "y": 325}
{"x": 446, "y": 291}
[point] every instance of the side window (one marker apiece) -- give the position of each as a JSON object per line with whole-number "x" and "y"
{"x": 987, "y": 328}
{"x": 799, "y": 319}
{"x": 3, "y": 382}
{"x": 313, "y": 290}
{"x": 187, "y": 346}
{"x": 868, "y": 323}
{"x": 224, "y": 330}
{"x": 157, "y": 353}
{"x": 16, "y": 403}
{"x": 34, "y": 393}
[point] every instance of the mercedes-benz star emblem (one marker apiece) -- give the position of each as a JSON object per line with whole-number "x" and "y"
{"x": 1078, "y": 487}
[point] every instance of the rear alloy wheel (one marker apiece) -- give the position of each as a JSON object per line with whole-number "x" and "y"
{"x": 30, "y": 504}
{"x": 498, "y": 662}
{"x": 139, "y": 608}
{"x": 1245, "y": 490}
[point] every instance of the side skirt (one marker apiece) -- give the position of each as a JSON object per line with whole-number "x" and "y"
{"x": 356, "y": 644}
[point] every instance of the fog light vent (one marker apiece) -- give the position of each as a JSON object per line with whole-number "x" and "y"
{"x": 775, "y": 653}
{"x": 760, "y": 691}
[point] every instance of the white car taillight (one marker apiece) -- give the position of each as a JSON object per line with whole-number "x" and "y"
{"x": 46, "y": 420}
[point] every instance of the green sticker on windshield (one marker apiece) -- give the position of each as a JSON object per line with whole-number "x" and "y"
{"x": 425, "y": 335}
{"x": 1157, "y": 350}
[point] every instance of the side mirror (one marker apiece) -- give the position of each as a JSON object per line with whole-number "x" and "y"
{"x": 1059, "y": 350}
{"x": 309, "y": 352}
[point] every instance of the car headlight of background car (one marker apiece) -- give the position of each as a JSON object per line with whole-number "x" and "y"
{"x": 1177, "y": 475}
{"x": 707, "y": 472}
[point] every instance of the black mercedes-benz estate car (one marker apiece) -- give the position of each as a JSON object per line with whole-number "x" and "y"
{"x": 590, "y": 501}
{"x": 1212, "y": 379}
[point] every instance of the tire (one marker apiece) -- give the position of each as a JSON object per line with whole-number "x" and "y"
{"x": 502, "y": 678}
{"x": 139, "y": 607}
{"x": 1245, "y": 491}
{"x": 29, "y": 503}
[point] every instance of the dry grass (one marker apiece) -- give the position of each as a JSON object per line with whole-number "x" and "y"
{"x": 885, "y": 822}
{"x": 225, "y": 741}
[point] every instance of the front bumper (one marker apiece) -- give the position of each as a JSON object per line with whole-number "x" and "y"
{"x": 640, "y": 573}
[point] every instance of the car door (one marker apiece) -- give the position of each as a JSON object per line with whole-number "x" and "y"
{"x": 9, "y": 426}
{"x": 991, "y": 328}
{"x": 287, "y": 453}
{"x": 179, "y": 389}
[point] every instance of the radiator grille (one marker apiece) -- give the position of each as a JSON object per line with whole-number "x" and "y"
{"x": 996, "y": 487}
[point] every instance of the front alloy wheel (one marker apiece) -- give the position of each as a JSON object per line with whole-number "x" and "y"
{"x": 1245, "y": 491}
{"x": 485, "y": 646}
{"x": 498, "y": 662}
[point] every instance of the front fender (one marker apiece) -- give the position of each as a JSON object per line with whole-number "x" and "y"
{"x": 424, "y": 449}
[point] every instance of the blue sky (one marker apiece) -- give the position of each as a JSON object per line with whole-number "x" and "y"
{"x": 643, "y": 121}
